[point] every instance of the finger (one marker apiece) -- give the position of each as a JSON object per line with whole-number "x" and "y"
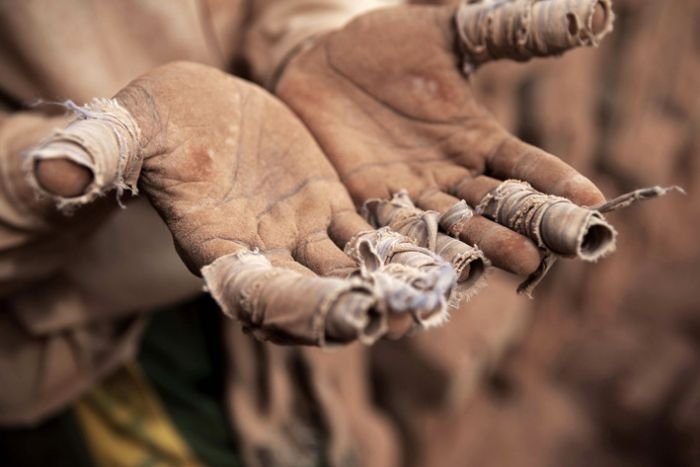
{"x": 551, "y": 222}
{"x": 514, "y": 159}
{"x": 283, "y": 259}
{"x": 399, "y": 325}
{"x": 96, "y": 153}
{"x": 474, "y": 189}
{"x": 352, "y": 318}
{"x": 385, "y": 317}
{"x": 448, "y": 176}
{"x": 345, "y": 225}
{"x": 401, "y": 215}
{"x": 562, "y": 227}
{"x": 469, "y": 262}
{"x": 523, "y": 29}
{"x": 416, "y": 280}
{"x": 288, "y": 304}
{"x": 320, "y": 254}
{"x": 413, "y": 279}
{"x": 506, "y": 249}
{"x": 63, "y": 177}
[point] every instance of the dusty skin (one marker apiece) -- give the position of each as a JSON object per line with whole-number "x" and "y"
{"x": 416, "y": 126}
{"x": 251, "y": 201}
{"x": 609, "y": 363}
{"x": 411, "y": 122}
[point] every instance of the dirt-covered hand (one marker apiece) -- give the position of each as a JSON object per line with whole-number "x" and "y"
{"x": 389, "y": 100}
{"x": 251, "y": 203}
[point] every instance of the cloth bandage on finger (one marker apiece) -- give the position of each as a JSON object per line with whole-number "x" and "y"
{"x": 523, "y": 29}
{"x": 287, "y": 307}
{"x": 410, "y": 278}
{"x": 401, "y": 215}
{"x": 557, "y": 225}
{"x": 105, "y": 139}
{"x": 551, "y": 222}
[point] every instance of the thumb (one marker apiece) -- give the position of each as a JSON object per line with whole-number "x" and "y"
{"x": 98, "y": 152}
{"x": 63, "y": 177}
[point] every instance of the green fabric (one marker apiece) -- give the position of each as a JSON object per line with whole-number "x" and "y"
{"x": 182, "y": 355}
{"x": 56, "y": 442}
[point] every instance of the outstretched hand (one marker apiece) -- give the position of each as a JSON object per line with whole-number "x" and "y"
{"x": 389, "y": 100}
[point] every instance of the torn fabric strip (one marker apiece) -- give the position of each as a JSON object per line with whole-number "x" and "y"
{"x": 430, "y": 279}
{"x": 104, "y": 138}
{"x": 523, "y": 29}
{"x": 556, "y": 225}
{"x": 286, "y": 307}
{"x": 401, "y": 215}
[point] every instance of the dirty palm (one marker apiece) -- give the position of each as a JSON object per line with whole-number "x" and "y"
{"x": 400, "y": 80}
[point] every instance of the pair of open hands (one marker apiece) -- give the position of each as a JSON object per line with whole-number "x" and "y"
{"x": 379, "y": 106}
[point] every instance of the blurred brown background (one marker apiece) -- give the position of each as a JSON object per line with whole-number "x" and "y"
{"x": 603, "y": 367}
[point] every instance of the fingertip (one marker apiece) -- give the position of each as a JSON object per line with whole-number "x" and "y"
{"x": 63, "y": 177}
{"x": 581, "y": 191}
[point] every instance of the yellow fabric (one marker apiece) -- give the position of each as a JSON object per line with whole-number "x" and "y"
{"x": 125, "y": 424}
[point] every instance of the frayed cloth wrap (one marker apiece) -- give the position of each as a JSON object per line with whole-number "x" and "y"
{"x": 392, "y": 261}
{"x": 401, "y": 215}
{"x": 287, "y": 307}
{"x": 105, "y": 139}
{"x": 557, "y": 225}
{"x": 523, "y": 29}
{"x": 551, "y": 222}
{"x": 284, "y": 306}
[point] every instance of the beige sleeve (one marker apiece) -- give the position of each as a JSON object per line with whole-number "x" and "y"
{"x": 34, "y": 238}
{"x": 279, "y": 27}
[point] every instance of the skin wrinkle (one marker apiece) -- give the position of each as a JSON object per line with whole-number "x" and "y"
{"x": 383, "y": 103}
{"x": 239, "y": 147}
{"x": 300, "y": 252}
{"x": 363, "y": 167}
{"x": 455, "y": 121}
{"x": 308, "y": 183}
{"x": 158, "y": 126}
{"x": 236, "y": 242}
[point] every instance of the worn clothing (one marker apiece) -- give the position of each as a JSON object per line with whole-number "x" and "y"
{"x": 75, "y": 290}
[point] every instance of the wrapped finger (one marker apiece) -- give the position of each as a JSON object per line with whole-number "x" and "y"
{"x": 104, "y": 140}
{"x": 551, "y": 222}
{"x": 401, "y": 215}
{"x": 287, "y": 307}
{"x": 504, "y": 248}
{"x": 557, "y": 225}
{"x": 410, "y": 278}
{"x": 523, "y": 29}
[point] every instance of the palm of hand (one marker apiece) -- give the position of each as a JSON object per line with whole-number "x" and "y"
{"x": 396, "y": 95}
{"x": 386, "y": 99}
{"x": 235, "y": 169}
